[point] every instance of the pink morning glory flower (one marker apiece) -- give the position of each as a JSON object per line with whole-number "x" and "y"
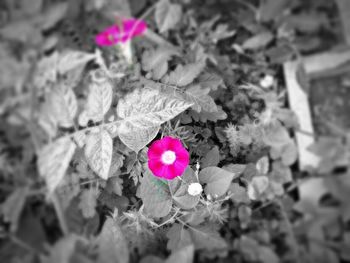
{"x": 167, "y": 158}
{"x": 129, "y": 29}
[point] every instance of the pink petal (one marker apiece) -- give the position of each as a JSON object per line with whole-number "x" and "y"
{"x": 134, "y": 27}
{"x": 171, "y": 173}
{"x": 183, "y": 155}
{"x": 113, "y": 34}
{"x": 166, "y": 141}
{"x": 157, "y": 168}
{"x": 156, "y": 150}
{"x": 175, "y": 145}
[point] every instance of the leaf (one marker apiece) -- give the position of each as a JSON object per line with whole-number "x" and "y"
{"x": 289, "y": 153}
{"x": 217, "y": 179}
{"x": 98, "y": 152}
{"x": 206, "y": 237}
{"x": 179, "y": 189}
{"x": 212, "y": 158}
{"x": 258, "y": 41}
{"x": 167, "y": 15}
{"x": 275, "y": 135}
{"x": 271, "y": 9}
{"x": 178, "y": 237}
{"x": 71, "y": 59}
{"x": 63, "y": 105}
{"x": 184, "y": 75}
{"x": 210, "y": 80}
{"x": 237, "y": 169}
{"x": 53, "y": 161}
{"x": 99, "y": 100}
{"x": 137, "y": 138}
{"x": 12, "y": 208}
{"x": 149, "y": 108}
{"x": 184, "y": 255}
{"x": 63, "y": 250}
{"x": 262, "y": 165}
{"x": 281, "y": 173}
{"x": 238, "y": 194}
{"x": 152, "y": 58}
{"x": 88, "y": 202}
{"x": 155, "y": 195}
{"x": 258, "y": 186}
{"x": 201, "y": 99}
{"x": 142, "y": 112}
{"x": 54, "y": 14}
{"x": 23, "y": 31}
{"x": 112, "y": 245}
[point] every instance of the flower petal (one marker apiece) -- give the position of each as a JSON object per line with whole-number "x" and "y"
{"x": 172, "y": 172}
{"x": 156, "y": 167}
{"x": 156, "y": 150}
{"x": 183, "y": 155}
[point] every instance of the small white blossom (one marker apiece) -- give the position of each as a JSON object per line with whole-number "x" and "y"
{"x": 267, "y": 81}
{"x": 195, "y": 189}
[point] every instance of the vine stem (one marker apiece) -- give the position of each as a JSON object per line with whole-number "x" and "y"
{"x": 60, "y": 214}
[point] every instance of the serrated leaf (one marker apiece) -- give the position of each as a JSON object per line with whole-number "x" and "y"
{"x": 184, "y": 75}
{"x": 71, "y": 59}
{"x": 99, "y": 100}
{"x": 112, "y": 245}
{"x": 201, "y": 99}
{"x": 136, "y": 138}
{"x": 12, "y": 208}
{"x": 217, "y": 179}
{"x": 155, "y": 195}
{"x": 149, "y": 108}
{"x": 167, "y": 15}
{"x": 178, "y": 237}
{"x": 206, "y": 237}
{"x": 63, "y": 105}
{"x": 184, "y": 255}
{"x": 143, "y": 111}
{"x": 98, "y": 152}
{"x": 88, "y": 201}
{"x": 53, "y": 161}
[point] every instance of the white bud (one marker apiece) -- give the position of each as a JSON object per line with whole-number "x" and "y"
{"x": 195, "y": 189}
{"x": 267, "y": 81}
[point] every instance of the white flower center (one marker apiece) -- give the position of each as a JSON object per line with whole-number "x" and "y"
{"x": 195, "y": 189}
{"x": 168, "y": 157}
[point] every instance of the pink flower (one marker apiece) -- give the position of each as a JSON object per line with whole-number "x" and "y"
{"x": 112, "y": 35}
{"x": 167, "y": 158}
